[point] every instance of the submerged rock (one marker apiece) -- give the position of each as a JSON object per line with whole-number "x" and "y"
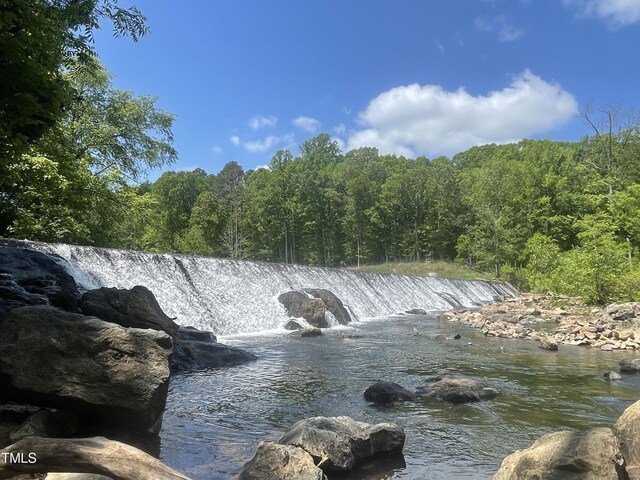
{"x": 548, "y": 342}
{"x": 306, "y": 333}
{"x": 337, "y": 443}
{"x": 611, "y": 376}
{"x": 274, "y": 461}
{"x": 416, "y": 311}
{"x": 385, "y": 393}
{"x": 591, "y": 455}
{"x": 292, "y": 324}
{"x": 630, "y": 366}
{"x": 459, "y": 390}
{"x": 107, "y": 373}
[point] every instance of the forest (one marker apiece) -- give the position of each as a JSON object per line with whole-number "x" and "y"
{"x": 546, "y": 215}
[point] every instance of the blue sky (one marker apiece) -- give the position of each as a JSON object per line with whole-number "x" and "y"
{"x": 414, "y": 77}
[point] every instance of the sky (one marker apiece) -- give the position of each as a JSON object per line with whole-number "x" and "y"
{"x": 246, "y": 78}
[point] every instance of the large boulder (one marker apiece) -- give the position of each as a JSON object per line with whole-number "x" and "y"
{"x": 337, "y": 443}
{"x": 28, "y": 277}
{"x": 300, "y": 305}
{"x": 630, "y": 366}
{"x": 386, "y": 393}
{"x": 331, "y": 303}
{"x": 627, "y": 429}
{"x": 273, "y": 461}
{"x": 459, "y": 390}
{"x": 193, "y": 349}
{"x": 136, "y": 307}
{"x": 567, "y": 455}
{"x": 108, "y": 374}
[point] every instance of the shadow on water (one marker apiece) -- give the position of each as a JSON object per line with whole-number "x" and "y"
{"x": 215, "y": 420}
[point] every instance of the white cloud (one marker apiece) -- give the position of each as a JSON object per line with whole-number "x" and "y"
{"x": 428, "y": 120}
{"x": 439, "y": 46}
{"x": 268, "y": 143}
{"x": 340, "y": 129}
{"x": 235, "y": 139}
{"x": 506, "y": 32}
{"x": 617, "y": 13}
{"x": 259, "y": 122}
{"x": 307, "y": 124}
{"x": 217, "y": 149}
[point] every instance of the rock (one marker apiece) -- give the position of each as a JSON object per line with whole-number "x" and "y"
{"x": 193, "y": 349}
{"x": 459, "y": 390}
{"x": 197, "y": 350}
{"x": 292, "y": 324}
{"x": 76, "y": 476}
{"x": 273, "y": 461}
{"x": 416, "y": 311}
{"x": 548, "y": 343}
{"x": 386, "y": 393}
{"x": 47, "y": 423}
{"x": 457, "y": 336}
{"x": 108, "y": 374}
{"x": 591, "y": 455}
{"x": 498, "y": 298}
{"x": 630, "y": 366}
{"x": 300, "y": 305}
{"x": 28, "y": 277}
{"x": 627, "y": 430}
{"x": 92, "y": 455}
{"x": 331, "y": 303}
{"x": 136, "y": 307}
{"x": 306, "y": 333}
{"x": 337, "y": 443}
{"x": 611, "y": 376}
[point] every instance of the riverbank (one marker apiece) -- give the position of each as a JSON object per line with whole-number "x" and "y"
{"x": 555, "y": 320}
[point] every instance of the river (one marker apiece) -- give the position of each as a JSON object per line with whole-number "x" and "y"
{"x": 215, "y": 420}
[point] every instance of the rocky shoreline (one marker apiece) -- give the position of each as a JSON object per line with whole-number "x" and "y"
{"x": 554, "y": 320}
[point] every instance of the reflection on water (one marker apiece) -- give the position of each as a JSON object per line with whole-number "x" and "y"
{"x": 215, "y": 420}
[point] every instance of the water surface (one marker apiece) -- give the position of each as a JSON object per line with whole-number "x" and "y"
{"x": 215, "y": 420}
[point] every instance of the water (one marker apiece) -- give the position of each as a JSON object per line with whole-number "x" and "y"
{"x": 215, "y": 420}
{"x": 232, "y": 297}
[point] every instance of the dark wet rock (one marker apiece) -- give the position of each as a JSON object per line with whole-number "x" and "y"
{"x": 459, "y": 390}
{"x": 331, "y": 303}
{"x": 292, "y": 324}
{"x": 457, "y": 336}
{"x": 198, "y": 350}
{"x": 193, "y": 349}
{"x": 630, "y": 366}
{"x": 611, "y": 376}
{"x": 567, "y": 455}
{"x": 136, "y": 307}
{"x": 28, "y": 277}
{"x": 416, "y": 311}
{"x": 274, "y": 461}
{"x": 298, "y": 304}
{"x": 627, "y": 431}
{"x": 307, "y": 332}
{"x": 108, "y": 374}
{"x": 338, "y": 443}
{"x": 385, "y": 393}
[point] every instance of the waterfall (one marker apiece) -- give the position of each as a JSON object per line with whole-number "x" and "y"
{"x": 230, "y": 297}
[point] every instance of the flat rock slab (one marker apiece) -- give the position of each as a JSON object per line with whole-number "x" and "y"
{"x": 337, "y": 443}
{"x": 113, "y": 375}
{"x": 274, "y": 461}
{"x": 459, "y": 390}
{"x": 567, "y": 455}
{"x": 386, "y": 393}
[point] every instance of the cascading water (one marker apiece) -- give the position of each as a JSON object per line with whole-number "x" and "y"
{"x": 232, "y": 297}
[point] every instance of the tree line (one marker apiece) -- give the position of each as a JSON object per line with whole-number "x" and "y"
{"x": 558, "y": 216}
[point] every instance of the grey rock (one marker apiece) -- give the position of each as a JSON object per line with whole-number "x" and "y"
{"x": 630, "y": 366}
{"x": 337, "y": 443}
{"x": 331, "y": 303}
{"x": 627, "y": 431}
{"x": 273, "y": 461}
{"x": 300, "y": 305}
{"x": 107, "y": 373}
{"x": 459, "y": 390}
{"x": 292, "y": 324}
{"x": 611, "y": 376}
{"x": 307, "y": 332}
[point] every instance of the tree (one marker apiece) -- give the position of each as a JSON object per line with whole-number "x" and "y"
{"x": 38, "y": 40}
{"x": 230, "y": 185}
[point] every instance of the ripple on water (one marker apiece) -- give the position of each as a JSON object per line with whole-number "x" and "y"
{"x": 215, "y": 420}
